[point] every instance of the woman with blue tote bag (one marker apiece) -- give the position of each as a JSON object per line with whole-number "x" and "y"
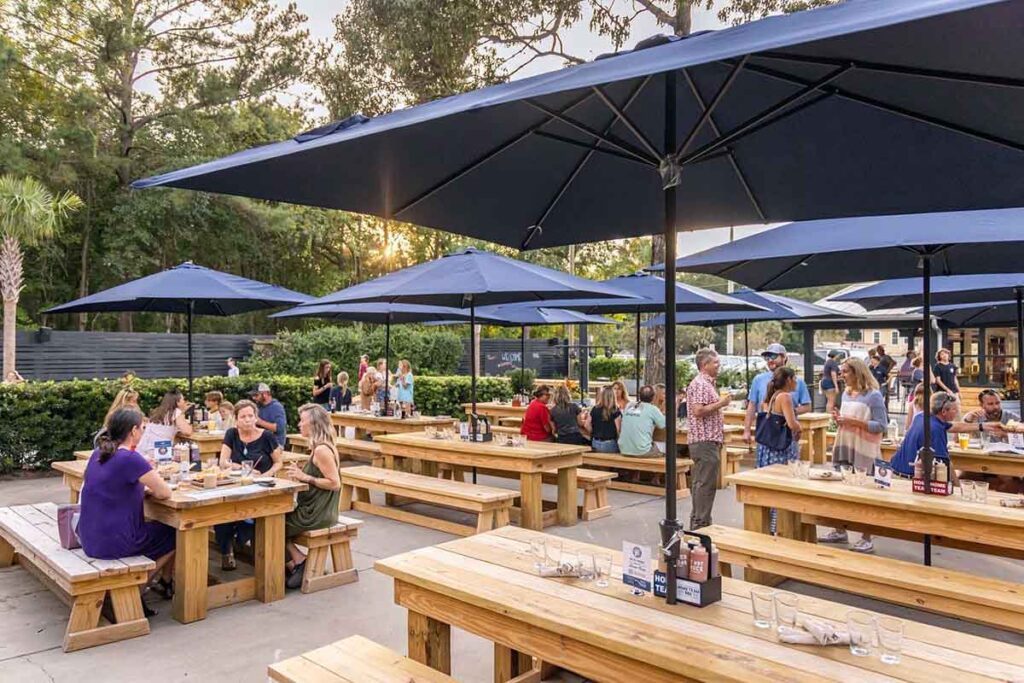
{"x": 778, "y": 430}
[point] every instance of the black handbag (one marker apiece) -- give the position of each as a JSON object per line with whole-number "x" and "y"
{"x": 772, "y": 431}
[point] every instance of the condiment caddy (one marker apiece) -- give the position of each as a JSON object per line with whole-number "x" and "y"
{"x": 698, "y": 574}
{"x": 939, "y": 485}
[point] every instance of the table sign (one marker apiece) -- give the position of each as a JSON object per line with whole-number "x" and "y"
{"x": 636, "y": 566}
{"x": 1016, "y": 440}
{"x": 162, "y": 451}
{"x": 883, "y": 474}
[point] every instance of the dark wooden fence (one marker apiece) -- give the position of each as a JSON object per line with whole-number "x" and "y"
{"x": 499, "y": 356}
{"x": 66, "y": 355}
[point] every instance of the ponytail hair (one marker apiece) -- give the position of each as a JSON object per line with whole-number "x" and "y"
{"x": 780, "y": 378}
{"x": 117, "y": 431}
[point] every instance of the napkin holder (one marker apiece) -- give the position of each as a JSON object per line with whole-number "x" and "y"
{"x": 699, "y": 594}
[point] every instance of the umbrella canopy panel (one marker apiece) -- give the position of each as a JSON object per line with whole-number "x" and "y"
{"x": 956, "y": 289}
{"x": 384, "y": 313}
{"x": 985, "y": 314}
{"x": 778, "y": 308}
{"x": 849, "y": 88}
{"x": 170, "y": 291}
{"x": 471, "y": 278}
{"x": 648, "y": 292}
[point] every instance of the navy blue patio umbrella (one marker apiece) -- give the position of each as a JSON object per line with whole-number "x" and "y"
{"x": 838, "y": 251}
{"x": 467, "y": 279}
{"x": 983, "y": 314}
{"x": 777, "y": 307}
{"x": 962, "y": 290}
{"x": 649, "y": 297}
{"x": 855, "y": 109}
{"x": 189, "y": 289}
{"x": 381, "y": 313}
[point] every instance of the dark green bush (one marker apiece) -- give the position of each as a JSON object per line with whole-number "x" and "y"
{"x": 612, "y": 368}
{"x": 522, "y": 381}
{"x": 431, "y": 351}
{"x": 46, "y": 421}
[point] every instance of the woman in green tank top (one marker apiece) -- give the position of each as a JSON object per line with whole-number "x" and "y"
{"x": 317, "y": 507}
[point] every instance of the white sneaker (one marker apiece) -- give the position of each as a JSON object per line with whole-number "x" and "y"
{"x": 863, "y": 546}
{"x": 834, "y": 536}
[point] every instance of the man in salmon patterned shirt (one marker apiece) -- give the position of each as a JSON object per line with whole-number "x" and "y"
{"x": 706, "y": 434}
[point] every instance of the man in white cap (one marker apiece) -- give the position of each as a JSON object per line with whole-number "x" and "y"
{"x": 775, "y": 357}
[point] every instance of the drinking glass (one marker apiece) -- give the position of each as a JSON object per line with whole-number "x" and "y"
{"x": 602, "y": 568}
{"x": 431, "y": 432}
{"x": 981, "y": 492}
{"x": 967, "y": 489}
{"x": 805, "y": 469}
{"x": 246, "y": 468}
{"x": 890, "y": 639}
{"x": 761, "y": 604}
{"x": 847, "y": 471}
{"x": 861, "y": 626}
{"x": 860, "y": 476}
{"x": 794, "y": 468}
{"x": 786, "y": 609}
{"x": 538, "y": 551}
{"x": 585, "y": 566}
{"x": 553, "y": 550}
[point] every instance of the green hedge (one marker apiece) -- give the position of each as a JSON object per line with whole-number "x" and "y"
{"x": 433, "y": 351}
{"x": 47, "y": 421}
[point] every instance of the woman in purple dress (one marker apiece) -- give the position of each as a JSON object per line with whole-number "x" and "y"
{"x": 112, "y": 524}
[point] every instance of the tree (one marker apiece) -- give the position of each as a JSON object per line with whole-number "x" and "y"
{"x": 29, "y": 213}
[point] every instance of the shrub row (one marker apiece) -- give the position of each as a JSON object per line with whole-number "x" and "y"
{"x": 46, "y": 421}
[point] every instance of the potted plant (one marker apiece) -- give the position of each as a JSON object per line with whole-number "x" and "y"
{"x": 522, "y": 384}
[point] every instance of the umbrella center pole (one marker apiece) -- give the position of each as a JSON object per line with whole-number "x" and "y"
{"x": 670, "y": 172}
{"x": 925, "y": 454}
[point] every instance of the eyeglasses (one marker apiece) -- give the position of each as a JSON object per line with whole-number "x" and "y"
{"x": 771, "y": 356}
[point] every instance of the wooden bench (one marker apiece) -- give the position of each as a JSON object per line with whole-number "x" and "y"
{"x": 348, "y": 449}
{"x": 336, "y": 543}
{"x": 952, "y": 593}
{"x": 655, "y": 465}
{"x": 29, "y": 534}
{"x": 593, "y": 483}
{"x": 491, "y": 505}
{"x": 354, "y": 660}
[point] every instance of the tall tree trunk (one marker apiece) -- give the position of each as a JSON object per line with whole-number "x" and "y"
{"x": 10, "y": 327}
{"x": 654, "y": 365}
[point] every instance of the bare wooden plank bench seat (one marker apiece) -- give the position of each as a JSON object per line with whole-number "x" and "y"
{"x": 490, "y": 504}
{"x": 335, "y": 543}
{"x": 348, "y": 449}
{"x": 29, "y": 534}
{"x": 354, "y": 660}
{"x": 655, "y": 465}
{"x": 952, "y": 593}
{"x": 593, "y": 483}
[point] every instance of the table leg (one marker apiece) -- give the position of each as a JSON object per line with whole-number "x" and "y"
{"x": 531, "y": 504}
{"x": 757, "y": 518}
{"x": 269, "y": 547}
{"x": 805, "y": 448}
{"x": 191, "y": 563}
{"x": 567, "y": 496}
{"x": 430, "y": 642}
{"x": 819, "y": 437}
{"x": 510, "y": 664}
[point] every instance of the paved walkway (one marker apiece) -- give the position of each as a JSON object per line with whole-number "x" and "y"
{"x": 236, "y": 643}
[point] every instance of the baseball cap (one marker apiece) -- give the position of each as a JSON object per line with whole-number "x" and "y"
{"x": 260, "y": 388}
{"x": 774, "y": 350}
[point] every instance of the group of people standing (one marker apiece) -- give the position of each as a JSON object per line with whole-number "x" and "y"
{"x": 374, "y": 384}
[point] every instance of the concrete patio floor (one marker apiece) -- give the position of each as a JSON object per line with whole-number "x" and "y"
{"x": 237, "y": 643}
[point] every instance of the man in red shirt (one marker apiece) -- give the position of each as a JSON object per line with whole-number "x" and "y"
{"x": 537, "y": 424}
{"x": 706, "y": 434}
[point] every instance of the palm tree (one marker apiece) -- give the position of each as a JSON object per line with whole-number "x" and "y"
{"x": 29, "y": 213}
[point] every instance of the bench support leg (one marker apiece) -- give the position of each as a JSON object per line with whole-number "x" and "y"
{"x": 501, "y": 517}
{"x": 484, "y": 521}
{"x": 6, "y": 553}
{"x": 430, "y": 642}
{"x": 567, "y": 496}
{"x": 346, "y": 498}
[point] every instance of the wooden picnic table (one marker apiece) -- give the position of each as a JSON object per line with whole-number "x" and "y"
{"x": 813, "y": 440}
{"x": 367, "y": 423}
{"x": 209, "y": 442}
{"x": 486, "y": 584}
{"x": 898, "y": 512}
{"x": 529, "y": 462}
{"x": 192, "y": 513}
{"x": 974, "y": 459}
{"x": 495, "y": 410}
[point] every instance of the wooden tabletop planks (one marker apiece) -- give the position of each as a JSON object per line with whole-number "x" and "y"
{"x": 532, "y": 449}
{"x": 495, "y": 571}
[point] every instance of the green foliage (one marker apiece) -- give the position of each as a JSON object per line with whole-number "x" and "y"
{"x": 613, "y": 368}
{"x": 522, "y": 381}
{"x": 47, "y": 421}
{"x": 431, "y": 351}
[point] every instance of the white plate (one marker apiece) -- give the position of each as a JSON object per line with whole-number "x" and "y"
{"x": 256, "y": 479}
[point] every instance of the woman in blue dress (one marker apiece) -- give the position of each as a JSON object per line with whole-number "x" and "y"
{"x": 779, "y": 401}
